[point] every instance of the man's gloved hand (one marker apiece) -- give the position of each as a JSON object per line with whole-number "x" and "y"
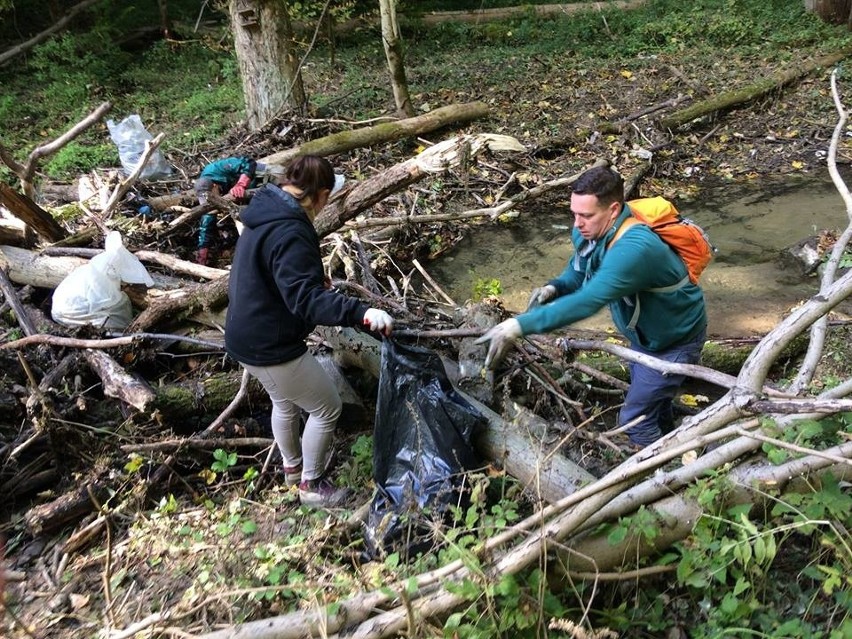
{"x": 541, "y": 295}
{"x": 501, "y": 337}
{"x": 238, "y": 191}
{"x": 379, "y": 321}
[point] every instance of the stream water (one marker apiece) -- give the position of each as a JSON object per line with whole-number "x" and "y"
{"x": 746, "y": 289}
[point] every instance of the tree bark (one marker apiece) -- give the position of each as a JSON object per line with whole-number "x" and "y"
{"x": 263, "y": 40}
{"x": 31, "y": 213}
{"x": 831, "y": 11}
{"x": 395, "y": 57}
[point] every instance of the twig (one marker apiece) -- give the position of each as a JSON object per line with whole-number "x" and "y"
{"x": 195, "y": 442}
{"x": 21, "y": 314}
{"x": 434, "y": 284}
{"x": 626, "y": 575}
{"x": 795, "y": 448}
{"x": 127, "y": 340}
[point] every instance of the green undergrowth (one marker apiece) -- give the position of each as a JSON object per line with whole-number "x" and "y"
{"x": 242, "y": 551}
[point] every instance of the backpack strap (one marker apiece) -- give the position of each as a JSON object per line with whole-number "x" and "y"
{"x": 629, "y": 223}
{"x": 626, "y": 224}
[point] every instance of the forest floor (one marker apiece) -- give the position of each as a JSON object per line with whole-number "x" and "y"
{"x": 222, "y": 544}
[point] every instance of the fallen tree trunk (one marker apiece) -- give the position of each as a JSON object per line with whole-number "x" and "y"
{"x": 433, "y": 161}
{"x": 505, "y": 13}
{"x": 385, "y": 132}
{"x": 47, "y": 271}
{"x": 752, "y": 92}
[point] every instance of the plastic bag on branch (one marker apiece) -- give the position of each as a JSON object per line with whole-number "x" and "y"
{"x": 91, "y": 293}
{"x": 129, "y": 136}
{"x": 421, "y": 450}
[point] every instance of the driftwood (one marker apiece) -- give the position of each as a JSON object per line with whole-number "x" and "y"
{"x": 386, "y": 132}
{"x": 752, "y": 92}
{"x": 16, "y": 233}
{"x": 118, "y": 383}
{"x": 434, "y": 160}
{"x": 47, "y": 271}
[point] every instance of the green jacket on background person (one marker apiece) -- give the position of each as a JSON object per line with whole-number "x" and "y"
{"x": 644, "y": 282}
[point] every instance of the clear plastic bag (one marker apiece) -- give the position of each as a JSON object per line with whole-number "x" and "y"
{"x": 91, "y": 294}
{"x": 129, "y": 136}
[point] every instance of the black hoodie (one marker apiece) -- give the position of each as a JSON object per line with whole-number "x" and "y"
{"x": 276, "y": 289}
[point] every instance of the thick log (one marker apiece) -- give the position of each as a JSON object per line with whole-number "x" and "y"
{"x": 738, "y": 97}
{"x": 69, "y": 507}
{"x": 119, "y": 383}
{"x": 385, "y": 132}
{"x": 515, "y": 444}
{"x": 47, "y": 271}
{"x": 434, "y": 160}
{"x": 200, "y": 398}
{"x": 25, "y": 209}
{"x": 16, "y": 233}
{"x": 479, "y": 16}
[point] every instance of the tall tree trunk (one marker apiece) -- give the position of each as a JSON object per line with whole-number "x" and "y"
{"x": 832, "y": 11}
{"x": 393, "y": 51}
{"x": 263, "y": 39}
{"x": 165, "y": 23}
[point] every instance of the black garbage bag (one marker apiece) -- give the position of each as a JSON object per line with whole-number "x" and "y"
{"x": 421, "y": 450}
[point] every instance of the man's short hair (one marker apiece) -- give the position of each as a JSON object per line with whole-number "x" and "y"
{"x": 602, "y": 182}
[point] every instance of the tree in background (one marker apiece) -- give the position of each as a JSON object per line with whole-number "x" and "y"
{"x": 269, "y": 67}
{"x": 393, "y": 52}
{"x": 832, "y": 11}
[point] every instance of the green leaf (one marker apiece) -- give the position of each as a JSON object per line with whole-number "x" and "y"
{"x": 741, "y": 586}
{"x": 248, "y": 527}
{"x": 618, "y": 534}
{"x": 729, "y": 604}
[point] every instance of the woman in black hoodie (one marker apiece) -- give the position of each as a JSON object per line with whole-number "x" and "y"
{"x": 277, "y": 295}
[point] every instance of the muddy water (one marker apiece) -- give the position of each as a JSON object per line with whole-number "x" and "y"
{"x": 747, "y": 292}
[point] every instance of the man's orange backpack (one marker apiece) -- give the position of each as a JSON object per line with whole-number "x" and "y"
{"x": 687, "y": 239}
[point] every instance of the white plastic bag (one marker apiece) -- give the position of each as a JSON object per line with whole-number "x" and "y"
{"x": 129, "y": 136}
{"x": 91, "y": 294}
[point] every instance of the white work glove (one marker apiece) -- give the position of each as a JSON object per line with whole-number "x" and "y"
{"x": 541, "y": 295}
{"x": 501, "y": 337}
{"x": 379, "y": 321}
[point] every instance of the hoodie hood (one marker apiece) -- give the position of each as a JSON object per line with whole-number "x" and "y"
{"x": 270, "y": 203}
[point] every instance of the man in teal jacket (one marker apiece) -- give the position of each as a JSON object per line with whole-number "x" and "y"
{"x": 643, "y": 280}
